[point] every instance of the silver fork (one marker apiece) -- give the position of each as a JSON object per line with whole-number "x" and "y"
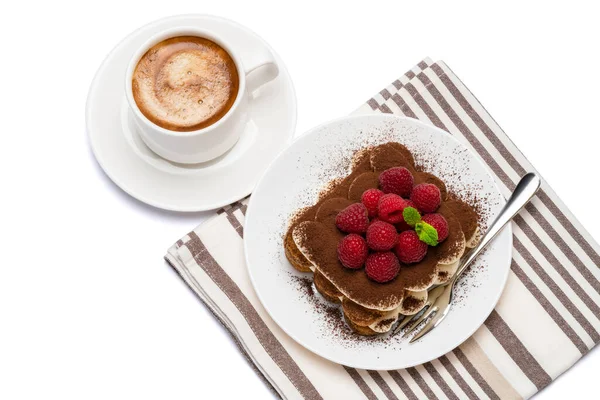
{"x": 440, "y": 297}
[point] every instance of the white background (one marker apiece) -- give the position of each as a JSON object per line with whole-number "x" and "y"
{"x": 88, "y": 309}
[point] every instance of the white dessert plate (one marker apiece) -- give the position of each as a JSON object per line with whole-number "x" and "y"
{"x": 150, "y": 178}
{"x": 294, "y": 179}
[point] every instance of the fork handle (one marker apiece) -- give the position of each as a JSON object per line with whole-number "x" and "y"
{"x": 524, "y": 191}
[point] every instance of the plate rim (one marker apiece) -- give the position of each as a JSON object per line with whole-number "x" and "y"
{"x": 313, "y": 131}
{"x": 96, "y": 81}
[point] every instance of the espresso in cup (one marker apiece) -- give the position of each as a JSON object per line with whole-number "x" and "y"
{"x": 185, "y": 83}
{"x": 190, "y": 92}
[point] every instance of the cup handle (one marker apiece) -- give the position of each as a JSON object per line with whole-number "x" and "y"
{"x": 260, "y": 69}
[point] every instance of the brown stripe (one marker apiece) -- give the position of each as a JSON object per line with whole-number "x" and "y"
{"x": 243, "y": 208}
{"x": 385, "y": 109}
{"x": 360, "y": 382}
{"x": 558, "y": 266}
{"x": 385, "y": 94}
{"x": 440, "y": 381}
{"x": 424, "y": 106}
{"x": 235, "y": 224}
{"x": 382, "y": 385}
{"x": 373, "y": 103}
{"x": 487, "y": 131}
{"x": 397, "y": 84}
{"x": 475, "y": 374}
{"x": 403, "y": 385}
{"x": 490, "y": 375}
{"x": 517, "y": 351}
{"x": 244, "y": 202}
{"x": 463, "y": 129}
{"x": 421, "y": 382}
{"x": 471, "y": 138}
{"x": 549, "y": 308}
{"x": 458, "y": 378}
{"x": 403, "y": 106}
{"x": 568, "y": 331}
{"x": 236, "y": 206}
{"x": 234, "y": 337}
{"x": 520, "y": 170}
{"x": 233, "y": 220}
{"x": 422, "y": 64}
{"x": 264, "y": 335}
{"x": 488, "y": 159}
{"x": 573, "y": 231}
{"x": 179, "y": 243}
{"x": 376, "y": 106}
{"x": 221, "y": 211}
{"x": 554, "y": 209}
{"x": 506, "y": 335}
{"x": 564, "y": 247}
{"x": 560, "y": 295}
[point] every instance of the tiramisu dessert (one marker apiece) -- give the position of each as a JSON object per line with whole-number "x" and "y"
{"x": 379, "y": 239}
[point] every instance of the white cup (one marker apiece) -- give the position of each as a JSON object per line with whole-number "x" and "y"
{"x": 214, "y": 140}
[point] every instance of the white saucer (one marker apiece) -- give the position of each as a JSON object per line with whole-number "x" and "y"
{"x": 151, "y": 179}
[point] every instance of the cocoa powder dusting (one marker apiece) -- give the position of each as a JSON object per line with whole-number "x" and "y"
{"x": 320, "y": 237}
{"x": 314, "y": 227}
{"x": 364, "y": 181}
{"x": 465, "y": 214}
{"x": 411, "y": 303}
{"x": 387, "y": 156}
{"x": 384, "y": 322}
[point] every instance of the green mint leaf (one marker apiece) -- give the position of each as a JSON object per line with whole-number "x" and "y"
{"x": 411, "y": 216}
{"x": 427, "y": 233}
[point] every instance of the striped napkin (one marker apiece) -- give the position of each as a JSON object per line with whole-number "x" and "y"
{"x": 547, "y": 318}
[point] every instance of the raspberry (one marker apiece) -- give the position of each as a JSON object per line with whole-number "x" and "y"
{"x": 403, "y": 226}
{"x": 427, "y": 197}
{"x": 390, "y": 208}
{"x": 352, "y": 251}
{"x": 410, "y": 203}
{"x": 382, "y": 267}
{"x": 410, "y": 249}
{"x": 439, "y": 223}
{"x": 370, "y": 198}
{"x": 353, "y": 219}
{"x": 381, "y": 236}
{"x": 396, "y": 180}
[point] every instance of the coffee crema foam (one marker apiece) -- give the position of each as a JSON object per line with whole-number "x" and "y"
{"x": 185, "y": 83}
